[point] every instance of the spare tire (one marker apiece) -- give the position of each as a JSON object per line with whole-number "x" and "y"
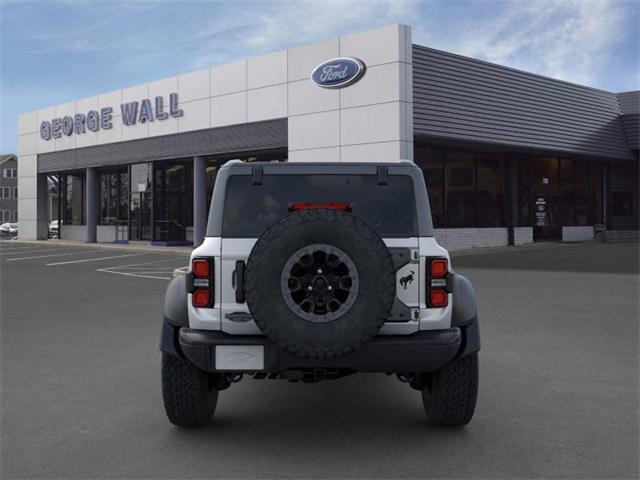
{"x": 320, "y": 283}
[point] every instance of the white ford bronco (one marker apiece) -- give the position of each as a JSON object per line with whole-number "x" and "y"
{"x": 315, "y": 271}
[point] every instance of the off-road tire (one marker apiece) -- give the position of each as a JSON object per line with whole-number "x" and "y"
{"x": 450, "y": 396}
{"x": 189, "y": 395}
{"x": 342, "y": 335}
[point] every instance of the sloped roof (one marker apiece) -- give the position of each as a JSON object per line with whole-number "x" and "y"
{"x": 461, "y": 98}
{"x": 6, "y": 158}
{"x": 630, "y": 117}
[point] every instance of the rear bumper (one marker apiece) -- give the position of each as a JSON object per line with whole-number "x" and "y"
{"x": 420, "y": 352}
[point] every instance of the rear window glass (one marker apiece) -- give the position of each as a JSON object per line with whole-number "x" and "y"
{"x": 388, "y": 209}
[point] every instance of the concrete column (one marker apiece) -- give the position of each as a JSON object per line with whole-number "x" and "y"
{"x": 199, "y": 200}
{"x": 91, "y": 205}
{"x": 42, "y": 215}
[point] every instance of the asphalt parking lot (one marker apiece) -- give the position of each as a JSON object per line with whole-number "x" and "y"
{"x": 80, "y": 387}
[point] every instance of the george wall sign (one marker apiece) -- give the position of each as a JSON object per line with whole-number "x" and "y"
{"x": 338, "y": 72}
{"x": 94, "y": 120}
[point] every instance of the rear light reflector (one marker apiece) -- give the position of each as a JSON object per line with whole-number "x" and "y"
{"x": 200, "y": 267}
{"x": 201, "y": 298}
{"x": 332, "y": 206}
{"x": 439, "y": 267}
{"x": 438, "y": 298}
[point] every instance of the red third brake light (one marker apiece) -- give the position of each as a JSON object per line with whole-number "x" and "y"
{"x": 201, "y": 298}
{"x": 439, "y": 267}
{"x": 200, "y": 267}
{"x": 332, "y": 206}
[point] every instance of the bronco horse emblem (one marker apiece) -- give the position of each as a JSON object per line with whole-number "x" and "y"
{"x": 404, "y": 281}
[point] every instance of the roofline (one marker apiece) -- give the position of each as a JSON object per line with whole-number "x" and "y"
{"x": 11, "y": 156}
{"x": 514, "y": 69}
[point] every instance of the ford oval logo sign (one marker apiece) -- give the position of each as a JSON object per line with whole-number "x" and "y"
{"x": 338, "y": 73}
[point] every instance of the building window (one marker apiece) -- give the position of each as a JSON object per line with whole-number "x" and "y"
{"x": 596, "y": 193}
{"x": 15, "y": 192}
{"x": 623, "y": 211}
{"x": 460, "y": 185}
{"x": 567, "y": 192}
{"x": 466, "y": 189}
{"x": 15, "y": 215}
{"x": 73, "y": 199}
{"x": 6, "y": 215}
{"x": 10, "y": 173}
{"x": 173, "y": 201}
{"x": 523, "y": 179}
{"x": 5, "y": 192}
{"x": 113, "y": 195}
{"x": 430, "y": 160}
{"x": 491, "y": 201}
{"x": 622, "y": 204}
{"x": 581, "y": 188}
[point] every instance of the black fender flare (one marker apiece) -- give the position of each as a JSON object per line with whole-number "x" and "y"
{"x": 175, "y": 302}
{"x": 465, "y": 315}
{"x": 176, "y": 315}
{"x": 465, "y": 308}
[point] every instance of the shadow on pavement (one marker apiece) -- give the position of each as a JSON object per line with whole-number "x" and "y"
{"x": 583, "y": 257}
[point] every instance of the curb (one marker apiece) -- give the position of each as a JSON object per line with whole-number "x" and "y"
{"x": 107, "y": 246}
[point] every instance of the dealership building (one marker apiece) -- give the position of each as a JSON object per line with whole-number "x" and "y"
{"x": 509, "y": 157}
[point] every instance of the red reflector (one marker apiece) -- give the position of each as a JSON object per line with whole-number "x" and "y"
{"x": 438, "y": 298}
{"x": 332, "y": 206}
{"x": 439, "y": 267}
{"x": 200, "y": 267}
{"x": 200, "y": 298}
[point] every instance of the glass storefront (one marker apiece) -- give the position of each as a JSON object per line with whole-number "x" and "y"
{"x": 470, "y": 189}
{"x": 466, "y": 189}
{"x": 140, "y": 217}
{"x": 73, "y": 199}
{"x": 113, "y": 197}
{"x": 172, "y": 201}
{"x": 145, "y": 201}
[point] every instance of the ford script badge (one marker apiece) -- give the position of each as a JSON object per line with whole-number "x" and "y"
{"x": 338, "y": 73}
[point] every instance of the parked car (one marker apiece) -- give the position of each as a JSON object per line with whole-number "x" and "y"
{"x": 54, "y": 229}
{"x": 311, "y": 272}
{"x": 9, "y": 229}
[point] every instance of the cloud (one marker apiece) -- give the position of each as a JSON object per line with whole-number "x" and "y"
{"x": 267, "y": 26}
{"x": 56, "y": 51}
{"x": 569, "y": 40}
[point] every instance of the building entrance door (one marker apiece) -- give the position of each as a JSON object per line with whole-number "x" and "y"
{"x": 140, "y": 216}
{"x": 547, "y": 224}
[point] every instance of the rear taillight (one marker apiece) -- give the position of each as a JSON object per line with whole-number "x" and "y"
{"x": 201, "y": 282}
{"x": 438, "y": 298}
{"x": 437, "y": 282}
{"x": 438, "y": 267}
{"x": 201, "y": 298}
{"x": 200, "y": 267}
{"x": 331, "y": 206}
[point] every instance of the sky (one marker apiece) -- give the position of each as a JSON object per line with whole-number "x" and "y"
{"x": 55, "y": 51}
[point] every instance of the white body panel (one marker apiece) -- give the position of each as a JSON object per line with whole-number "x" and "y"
{"x": 226, "y": 251}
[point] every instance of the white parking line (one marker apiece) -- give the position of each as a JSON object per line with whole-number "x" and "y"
{"x": 145, "y": 269}
{"x": 92, "y": 259}
{"x": 126, "y": 274}
{"x": 16, "y": 249}
{"x": 39, "y": 250}
{"x": 52, "y": 255}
